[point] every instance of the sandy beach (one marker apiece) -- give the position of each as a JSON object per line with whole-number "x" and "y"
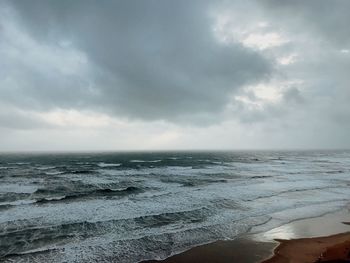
{"x": 333, "y": 248}
{"x": 320, "y": 239}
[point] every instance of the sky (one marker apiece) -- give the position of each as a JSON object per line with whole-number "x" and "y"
{"x": 89, "y": 75}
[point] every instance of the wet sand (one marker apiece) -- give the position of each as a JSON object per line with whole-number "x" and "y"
{"x": 321, "y": 239}
{"x": 333, "y": 248}
{"x": 238, "y": 250}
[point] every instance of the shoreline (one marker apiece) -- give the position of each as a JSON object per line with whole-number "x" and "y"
{"x": 304, "y": 239}
{"x": 334, "y": 248}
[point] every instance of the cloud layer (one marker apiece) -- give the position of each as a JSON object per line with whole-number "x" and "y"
{"x": 149, "y": 60}
{"x": 263, "y": 74}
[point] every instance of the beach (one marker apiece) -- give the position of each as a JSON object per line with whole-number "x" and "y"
{"x": 321, "y": 239}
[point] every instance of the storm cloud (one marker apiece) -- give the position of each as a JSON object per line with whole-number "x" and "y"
{"x": 143, "y": 59}
{"x": 190, "y": 74}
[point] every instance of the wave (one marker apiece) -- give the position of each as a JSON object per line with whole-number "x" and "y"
{"x": 19, "y": 163}
{"x": 335, "y": 172}
{"x": 96, "y": 217}
{"x": 54, "y": 173}
{"x": 31, "y": 253}
{"x": 18, "y": 202}
{"x": 12, "y": 196}
{"x": 82, "y": 172}
{"x": 260, "y": 176}
{"x": 145, "y": 161}
{"x": 5, "y": 167}
{"x": 107, "y": 192}
{"x": 193, "y": 181}
{"x": 13, "y": 241}
{"x": 109, "y": 164}
{"x": 45, "y": 167}
{"x": 67, "y": 172}
{"x": 5, "y": 207}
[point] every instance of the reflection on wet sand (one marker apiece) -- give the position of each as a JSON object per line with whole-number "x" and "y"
{"x": 319, "y": 239}
{"x": 322, "y": 239}
{"x": 326, "y": 225}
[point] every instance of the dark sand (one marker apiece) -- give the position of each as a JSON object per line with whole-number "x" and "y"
{"x": 333, "y": 248}
{"x": 238, "y": 250}
{"x": 321, "y": 239}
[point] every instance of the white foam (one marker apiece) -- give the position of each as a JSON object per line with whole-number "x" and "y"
{"x": 145, "y": 161}
{"x": 17, "y": 188}
{"x": 54, "y": 172}
{"x": 45, "y": 167}
{"x": 234, "y": 196}
{"x": 109, "y": 164}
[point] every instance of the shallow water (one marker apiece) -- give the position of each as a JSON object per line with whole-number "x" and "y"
{"x": 127, "y": 207}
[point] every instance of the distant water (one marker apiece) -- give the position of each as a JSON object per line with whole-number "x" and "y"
{"x": 127, "y": 207}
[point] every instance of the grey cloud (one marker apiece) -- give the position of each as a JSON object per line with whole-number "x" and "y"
{"x": 13, "y": 119}
{"x": 149, "y": 59}
{"x": 293, "y": 95}
{"x": 154, "y": 60}
{"x": 329, "y": 19}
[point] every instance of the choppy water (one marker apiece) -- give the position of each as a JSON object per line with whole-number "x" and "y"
{"x": 128, "y": 207}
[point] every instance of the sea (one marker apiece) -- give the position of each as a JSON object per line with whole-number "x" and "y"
{"x": 135, "y": 206}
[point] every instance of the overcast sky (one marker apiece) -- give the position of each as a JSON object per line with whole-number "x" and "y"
{"x": 185, "y": 74}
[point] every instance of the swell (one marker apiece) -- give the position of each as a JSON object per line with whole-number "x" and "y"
{"x": 139, "y": 247}
{"x": 15, "y": 241}
{"x": 107, "y": 192}
{"x": 46, "y": 196}
{"x": 191, "y": 182}
{"x": 276, "y": 194}
{"x": 5, "y": 207}
{"x": 10, "y": 196}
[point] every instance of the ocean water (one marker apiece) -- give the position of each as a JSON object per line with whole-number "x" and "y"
{"x": 129, "y": 207}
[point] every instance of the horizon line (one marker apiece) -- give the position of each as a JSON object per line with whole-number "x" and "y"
{"x": 169, "y": 150}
